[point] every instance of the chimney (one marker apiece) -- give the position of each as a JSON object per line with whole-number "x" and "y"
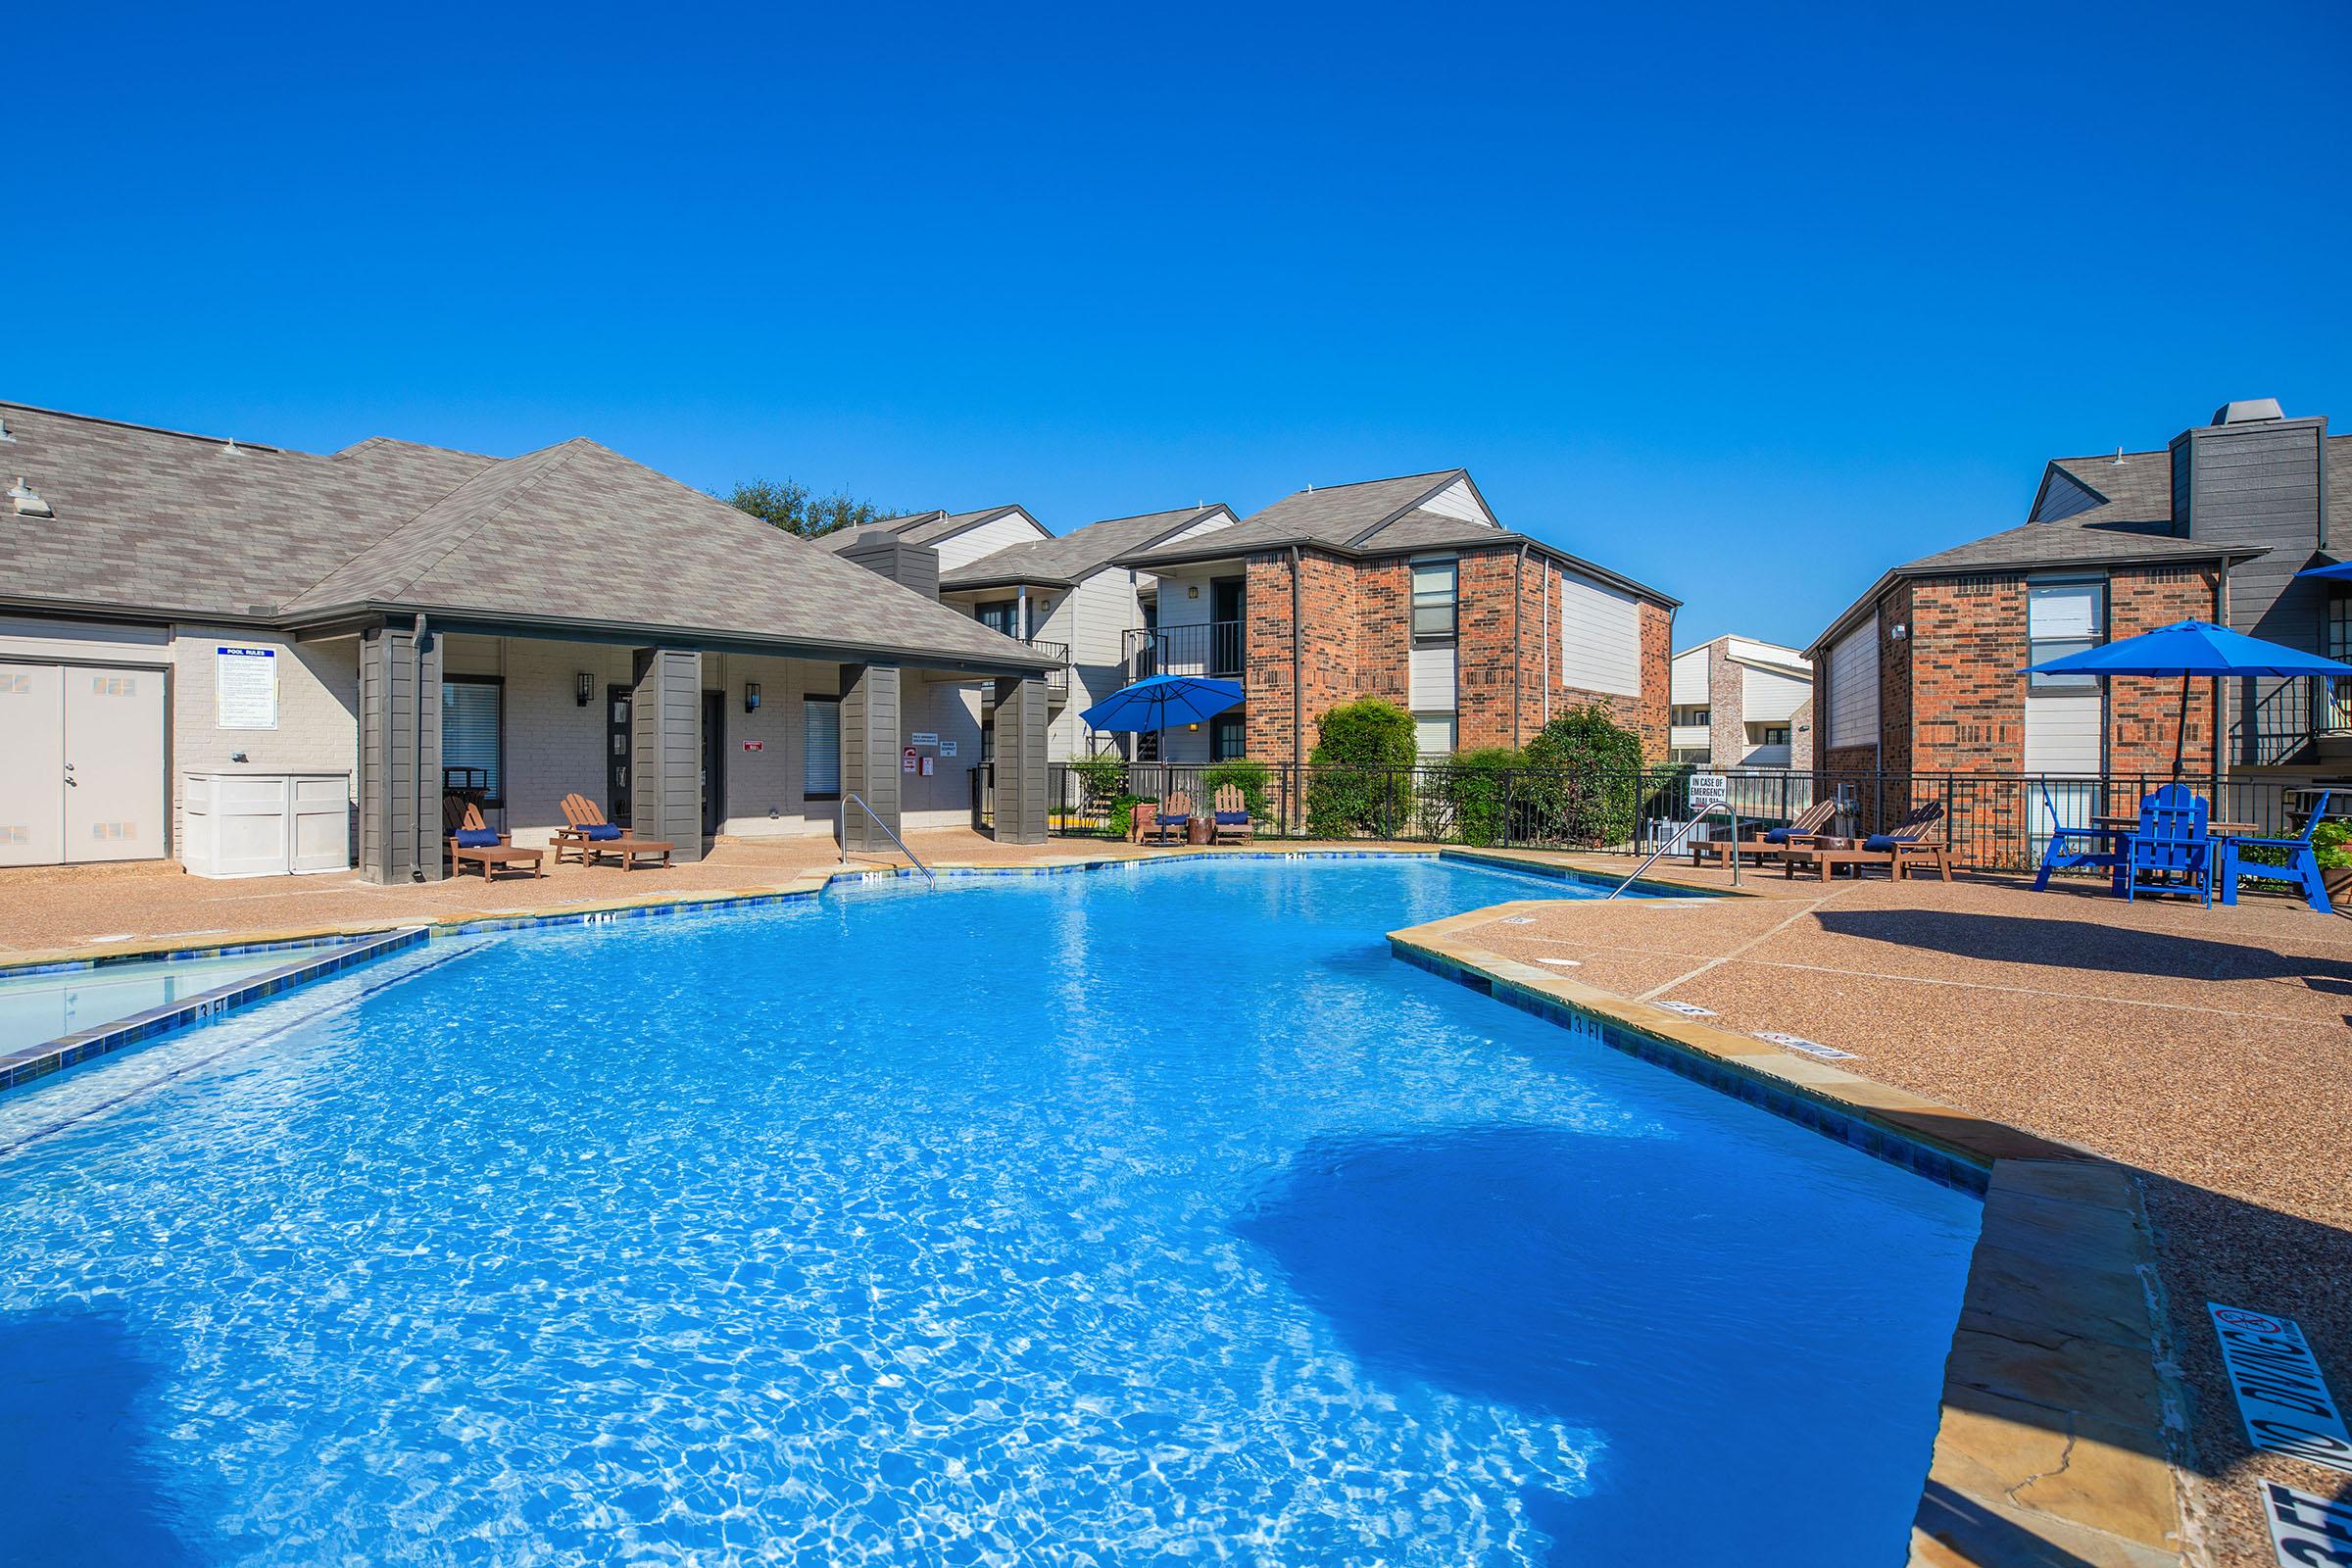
{"x": 886, "y": 555}
{"x": 2256, "y": 478}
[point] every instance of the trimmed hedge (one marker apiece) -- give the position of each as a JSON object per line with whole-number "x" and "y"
{"x": 1361, "y": 781}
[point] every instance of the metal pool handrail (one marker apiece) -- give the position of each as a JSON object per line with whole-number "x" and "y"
{"x": 846, "y": 798}
{"x": 1676, "y": 837}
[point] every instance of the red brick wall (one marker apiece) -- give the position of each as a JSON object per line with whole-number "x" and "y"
{"x": 1358, "y": 641}
{"x": 1968, "y": 643}
{"x": 2143, "y": 712}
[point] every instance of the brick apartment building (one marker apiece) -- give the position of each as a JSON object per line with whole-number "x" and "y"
{"x": 1408, "y": 589}
{"x": 1922, "y": 673}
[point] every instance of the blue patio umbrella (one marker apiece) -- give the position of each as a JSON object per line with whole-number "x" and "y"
{"x": 2337, "y": 571}
{"x": 2189, "y": 648}
{"x": 1163, "y": 701}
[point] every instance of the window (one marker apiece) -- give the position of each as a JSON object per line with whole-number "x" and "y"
{"x": 1003, "y": 616}
{"x": 1432, "y": 734}
{"x": 2339, "y": 627}
{"x": 1436, "y": 592}
{"x": 1228, "y": 738}
{"x": 1776, "y": 734}
{"x": 820, "y": 748}
{"x": 469, "y": 723}
{"x": 1693, "y": 715}
{"x": 2063, "y": 619}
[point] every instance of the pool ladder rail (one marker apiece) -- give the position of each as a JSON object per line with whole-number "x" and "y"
{"x": 846, "y": 800}
{"x": 1676, "y": 837}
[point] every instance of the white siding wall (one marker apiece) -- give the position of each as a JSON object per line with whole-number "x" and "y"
{"x": 1013, "y": 528}
{"x": 1854, "y": 686}
{"x": 1601, "y": 637}
{"x": 2062, "y": 733}
{"x": 1768, "y": 697}
{"x": 1433, "y": 680}
{"x": 1457, "y": 500}
{"x": 1093, "y": 618}
{"x": 1689, "y": 686}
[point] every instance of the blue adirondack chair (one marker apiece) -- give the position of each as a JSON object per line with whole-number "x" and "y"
{"x": 2072, "y": 847}
{"x": 2173, "y": 840}
{"x": 2302, "y": 868}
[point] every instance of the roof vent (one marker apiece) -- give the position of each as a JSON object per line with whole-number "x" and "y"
{"x": 2248, "y": 410}
{"x": 5, "y": 434}
{"x": 27, "y": 500}
{"x": 228, "y": 448}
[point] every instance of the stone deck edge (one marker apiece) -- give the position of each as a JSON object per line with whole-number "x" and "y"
{"x": 2055, "y": 1433}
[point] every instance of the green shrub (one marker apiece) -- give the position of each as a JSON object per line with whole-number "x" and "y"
{"x": 1360, "y": 778}
{"x": 1101, "y": 778}
{"x": 1464, "y": 796}
{"x": 2331, "y": 845}
{"x": 1582, "y": 780}
{"x": 1248, "y": 777}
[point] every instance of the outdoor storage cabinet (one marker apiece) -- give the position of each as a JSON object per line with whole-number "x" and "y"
{"x": 266, "y": 824}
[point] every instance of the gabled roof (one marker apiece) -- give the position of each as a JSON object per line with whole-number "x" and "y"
{"x": 1374, "y": 518}
{"x": 929, "y": 527}
{"x": 1063, "y": 561}
{"x": 157, "y": 524}
{"x": 1343, "y": 516}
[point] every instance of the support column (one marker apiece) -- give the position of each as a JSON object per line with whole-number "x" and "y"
{"x": 1021, "y": 760}
{"x": 400, "y": 755}
{"x": 869, "y": 754}
{"x": 665, "y": 748}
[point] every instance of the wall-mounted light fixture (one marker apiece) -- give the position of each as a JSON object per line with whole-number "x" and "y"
{"x": 751, "y": 696}
{"x": 1192, "y": 590}
{"x": 583, "y": 688}
{"x": 1897, "y": 632}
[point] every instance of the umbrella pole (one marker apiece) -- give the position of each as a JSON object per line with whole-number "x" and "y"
{"x": 2180, "y": 728}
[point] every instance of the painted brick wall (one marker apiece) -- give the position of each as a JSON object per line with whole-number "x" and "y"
{"x": 318, "y": 711}
{"x": 2143, "y": 712}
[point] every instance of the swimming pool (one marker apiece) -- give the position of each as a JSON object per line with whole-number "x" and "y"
{"x": 1101, "y": 1218}
{"x": 44, "y": 1005}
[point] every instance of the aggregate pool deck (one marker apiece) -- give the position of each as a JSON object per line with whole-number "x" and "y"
{"x": 2208, "y": 1052}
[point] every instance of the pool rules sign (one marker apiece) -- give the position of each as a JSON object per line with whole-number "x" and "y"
{"x": 245, "y": 687}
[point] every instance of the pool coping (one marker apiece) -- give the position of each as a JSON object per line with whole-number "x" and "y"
{"x": 2059, "y": 1404}
{"x": 327, "y": 956}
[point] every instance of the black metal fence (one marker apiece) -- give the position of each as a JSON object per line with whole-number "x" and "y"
{"x": 1993, "y": 822}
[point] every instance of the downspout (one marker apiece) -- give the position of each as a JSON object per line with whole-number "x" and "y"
{"x": 414, "y": 808}
{"x": 1298, "y": 663}
{"x": 1518, "y": 640}
{"x": 1547, "y": 683}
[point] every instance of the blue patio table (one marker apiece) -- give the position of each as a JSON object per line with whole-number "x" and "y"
{"x": 2223, "y": 834}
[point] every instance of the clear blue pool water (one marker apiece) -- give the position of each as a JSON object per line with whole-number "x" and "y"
{"x": 35, "y": 1008}
{"x": 1119, "y": 1218}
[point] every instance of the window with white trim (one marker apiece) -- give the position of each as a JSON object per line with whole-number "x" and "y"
{"x": 2062, "y": 619}
{"x": 1437, "y": 596}
{"x": 469, "y": 736}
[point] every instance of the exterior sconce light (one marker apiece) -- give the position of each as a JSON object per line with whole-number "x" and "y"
{"x": 583, "y": 688}
{"x": 1897, "y": 632}
{"x": 751, "y": 696}
{"x": 1192, "y": 590}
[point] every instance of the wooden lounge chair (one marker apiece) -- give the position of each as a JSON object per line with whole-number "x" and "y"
{"x": 471, "y": 842}
{"x": 1911, "y": 846}
{"x": 591, "y": 838}
{"x": 1231, "y": 814}
{"x": 1176, "y": 816}
{"x": 1768, "y": 844}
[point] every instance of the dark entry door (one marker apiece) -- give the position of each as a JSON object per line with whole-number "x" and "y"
{"x": 715, "y": 761}
{"x": 1225, "y": 626}
{"x": 616, "y": 755}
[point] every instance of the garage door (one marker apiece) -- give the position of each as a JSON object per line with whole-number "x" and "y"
{"x": 83, "y": 778}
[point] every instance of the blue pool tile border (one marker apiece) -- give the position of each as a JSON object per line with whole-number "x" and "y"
{"x": 1857, "y": 1132}
{"x": 329, "y": 956}
{"x": 224, "y": 950}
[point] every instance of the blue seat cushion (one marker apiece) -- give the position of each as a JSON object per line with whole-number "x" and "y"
{"x": 1232, "y": 818}
{"x": 1881, "y": 842}
{"x": 1778, "y": 835}
{"x": 601, "y": 832}
{"x": 477, "y": 838}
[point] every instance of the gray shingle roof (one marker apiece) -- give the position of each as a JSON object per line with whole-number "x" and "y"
{"x": 921, "y": 527}
{"x": 2066, "y": 544}
{"x": 1334, "y": 518}
{"x": 1062, "y": 562}
{"x": 156, "y": 522}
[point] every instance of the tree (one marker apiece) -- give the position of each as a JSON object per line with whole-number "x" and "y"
{"x": 790, "y": 506}
{"x": 1581, "y": 779}
{"x": 1360, "y": 776}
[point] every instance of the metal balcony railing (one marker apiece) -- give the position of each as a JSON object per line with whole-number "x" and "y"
{"x": 1210, "y": 647}
{"x": 1058, "y": 679}
{"x": 2288, "y": 716}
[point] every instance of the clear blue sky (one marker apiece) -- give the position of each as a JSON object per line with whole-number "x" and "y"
{"x": 1742, "y": 307}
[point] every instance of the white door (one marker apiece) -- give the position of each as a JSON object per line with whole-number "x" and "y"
{"x": 32, "y": 765}
{"x": 114, "y": 765}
